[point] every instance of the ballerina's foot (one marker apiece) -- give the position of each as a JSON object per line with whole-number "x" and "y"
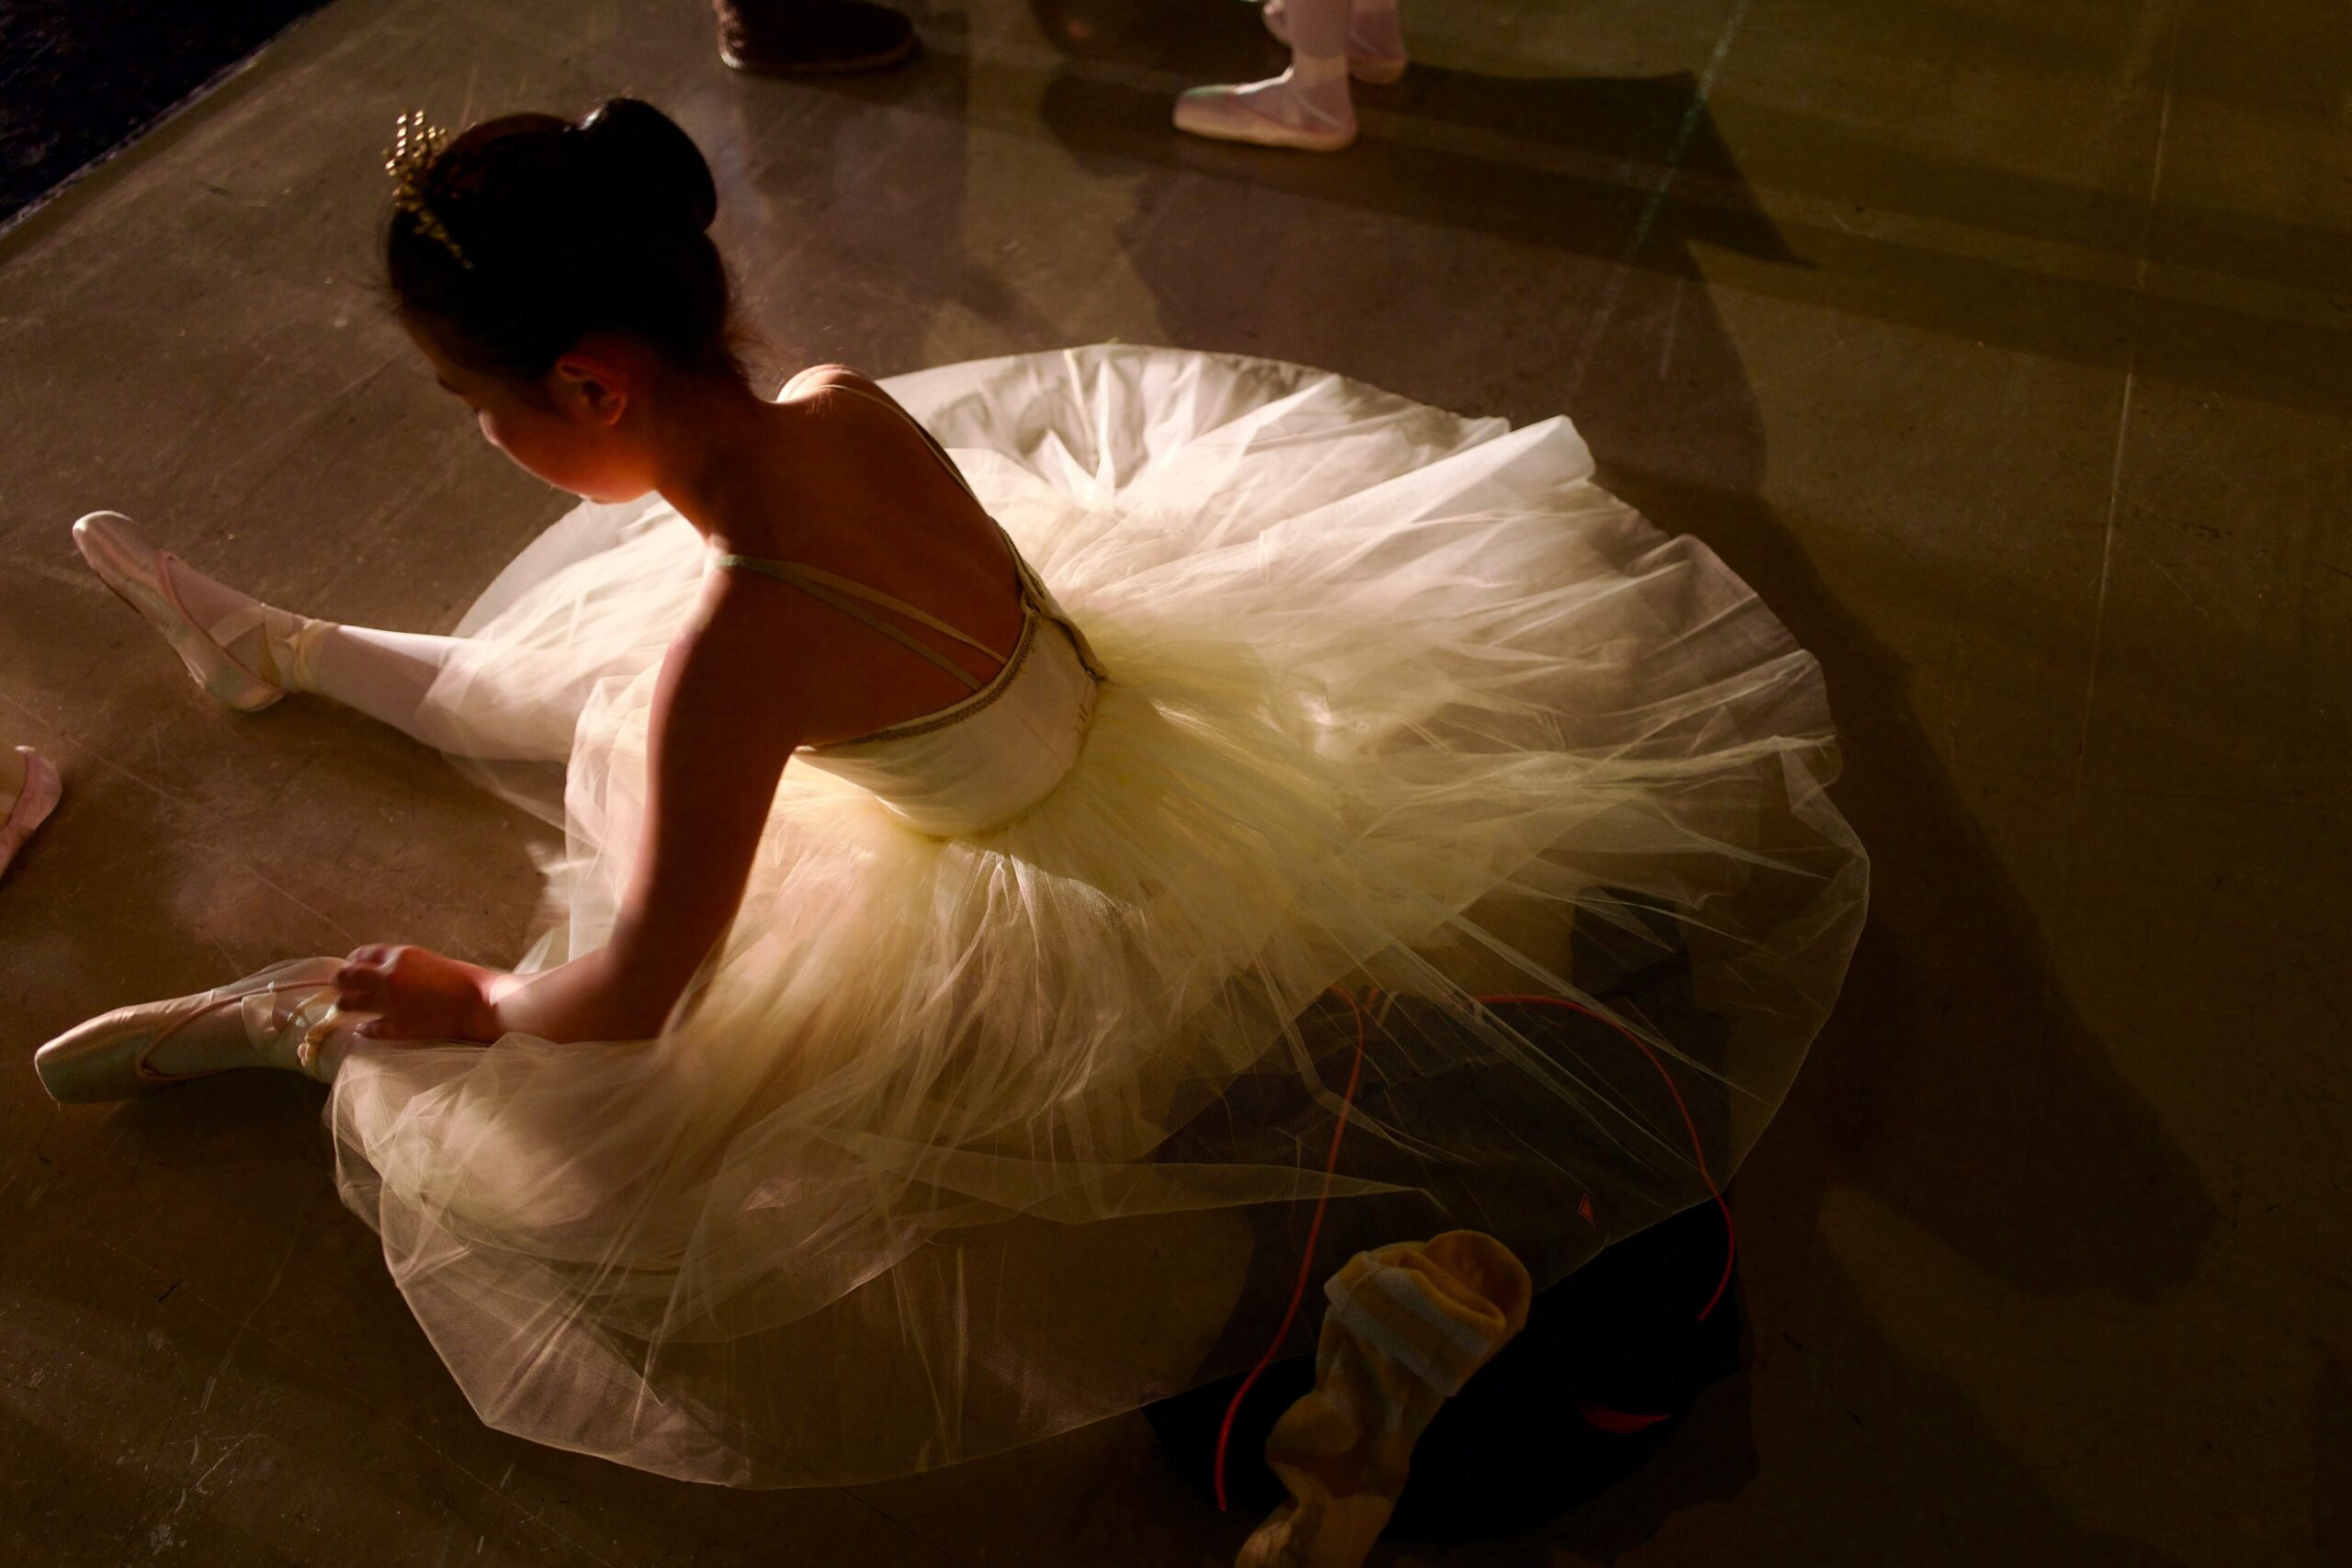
{"x": 30, "y": 790}
{"x": 276, "y": 1018}
{"x": 1375, "y": 41}
{"x": 245, "y": 653}
{"x": 1277, "y": 113}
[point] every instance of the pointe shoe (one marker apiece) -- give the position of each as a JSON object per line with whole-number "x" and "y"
{"x": 139, "y": 574}
{"x": 1231, "y": 114}
{"x": 34, "y": 802}
{"x": 1373, "y": 70}
{"x": 107, "y": 1057}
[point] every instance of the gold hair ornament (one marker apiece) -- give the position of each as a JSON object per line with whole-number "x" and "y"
{"x": 414, "y": 146}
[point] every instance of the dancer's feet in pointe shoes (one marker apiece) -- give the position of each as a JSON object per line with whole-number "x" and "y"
{"x": 277, "y": 1018}
{"x": 1306, "y": 107}
{"x": 28, "y": 793}
{"x": 1375, "y": 39}
{"x": 245, "y": 653}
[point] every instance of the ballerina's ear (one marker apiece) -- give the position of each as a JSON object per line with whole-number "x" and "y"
{"x": 594, "y": 387}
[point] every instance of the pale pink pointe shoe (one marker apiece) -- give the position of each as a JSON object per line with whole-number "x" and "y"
{"x": 139, "y": 574}
{"x": 283, "y": 1010}
{"x": 36, "y": 798}
{"x": 1273, "y": 113}
{"x": 1373, "y": 68}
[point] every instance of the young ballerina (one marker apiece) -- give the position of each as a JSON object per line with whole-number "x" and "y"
{"x": 952, "y": 1017}
{"x": 1309, "y": 106}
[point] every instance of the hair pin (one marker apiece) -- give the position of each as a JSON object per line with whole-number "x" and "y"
{"x": 416, "y": 144}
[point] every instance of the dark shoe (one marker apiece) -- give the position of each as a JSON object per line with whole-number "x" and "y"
{"x": 812, "y": 37}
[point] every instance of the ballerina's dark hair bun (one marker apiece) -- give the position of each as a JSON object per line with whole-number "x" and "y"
{"x": 535, "y": 231}
{"x": 645, "y": 157}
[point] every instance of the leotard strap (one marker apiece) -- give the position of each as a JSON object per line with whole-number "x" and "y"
{"x": 849, "y": 597}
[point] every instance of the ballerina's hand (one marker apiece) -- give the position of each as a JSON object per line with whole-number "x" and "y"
{"x": 416, "y": 994}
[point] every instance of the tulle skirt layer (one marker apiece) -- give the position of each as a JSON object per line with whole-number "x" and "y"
{"x": 1431, "y": 788}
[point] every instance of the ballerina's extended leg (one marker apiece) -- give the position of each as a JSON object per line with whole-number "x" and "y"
{"x": 248, "y": 655}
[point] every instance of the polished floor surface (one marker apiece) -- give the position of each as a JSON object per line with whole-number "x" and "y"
{"x": 2006, "y": 346}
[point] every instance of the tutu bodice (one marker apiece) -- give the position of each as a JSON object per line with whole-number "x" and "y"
{"x": 989, "y": 757}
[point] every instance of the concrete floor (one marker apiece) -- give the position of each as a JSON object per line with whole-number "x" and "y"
{"x": 2006, "y": 346}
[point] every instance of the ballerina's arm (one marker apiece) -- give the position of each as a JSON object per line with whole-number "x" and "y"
{"x": 723, "y": 727}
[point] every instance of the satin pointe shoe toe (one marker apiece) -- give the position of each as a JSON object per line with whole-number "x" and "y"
{"x": 1232, "y": 114}
{"x": 139, "y": 574}
{"x": 111, "y": 1057}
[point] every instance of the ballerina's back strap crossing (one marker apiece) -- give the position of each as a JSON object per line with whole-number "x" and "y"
{"x": 851, "y": 597}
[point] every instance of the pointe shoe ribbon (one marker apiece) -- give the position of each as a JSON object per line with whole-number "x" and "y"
{"x": 1371, "y": 67}
{"x": 36, "y": 798}
{"x": 139, "y": 574}
{"x": 109, "y": 1057}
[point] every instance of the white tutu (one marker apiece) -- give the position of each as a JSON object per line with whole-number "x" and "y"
{"x": 964, "y": 1138}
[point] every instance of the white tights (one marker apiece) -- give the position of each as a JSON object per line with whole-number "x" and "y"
{"x": 518, "y": 708}
{"x": 1335, "y": 29}
{"x": 1318, "y": 77}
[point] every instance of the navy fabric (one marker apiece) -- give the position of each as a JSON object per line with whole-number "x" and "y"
{"x": 80, "y": 79}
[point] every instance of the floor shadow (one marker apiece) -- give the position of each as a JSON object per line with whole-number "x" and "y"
{"x": 1581, "y": 165}
{"x": 1956, "y": 1083}
{"x": 82, "y": 1493}
{"x": 1922, "y": 1478}
{"x": 895, "y": 256}
{"x": 2331, "y": 1463}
